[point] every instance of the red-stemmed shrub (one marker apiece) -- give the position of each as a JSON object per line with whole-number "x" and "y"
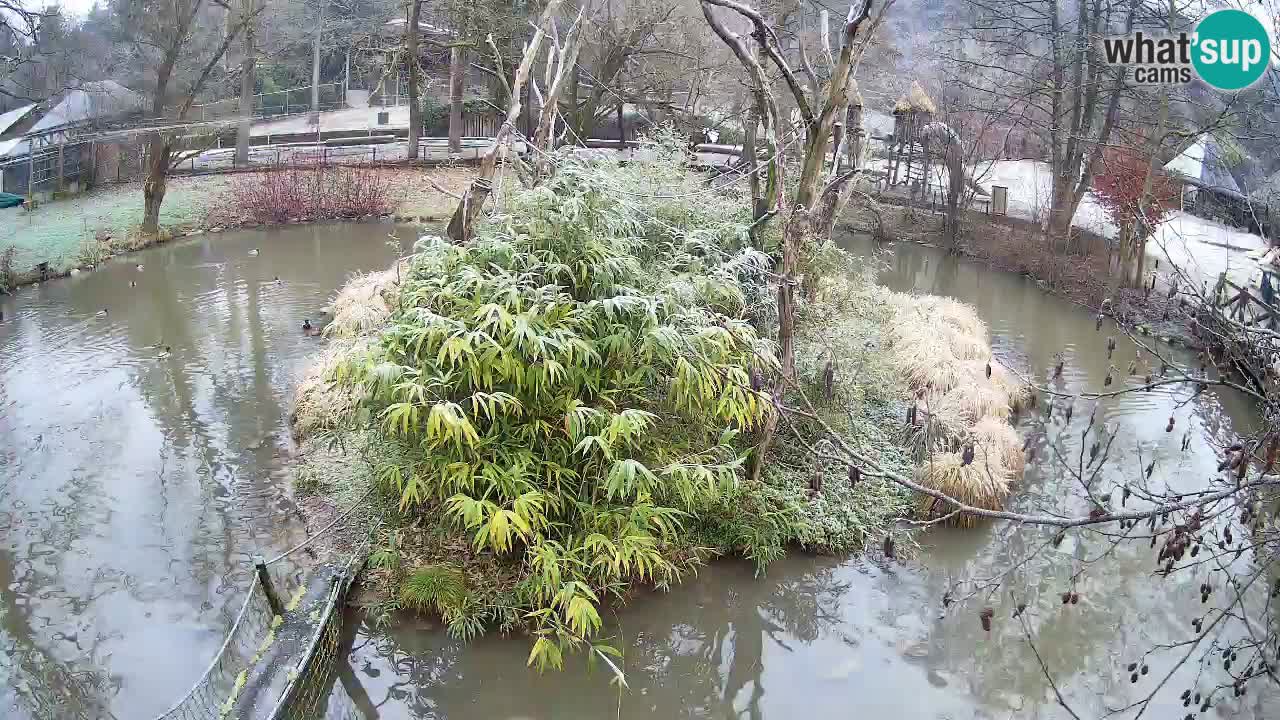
{"x": 302, "y": 194}
{"x": 1118, "y": 188}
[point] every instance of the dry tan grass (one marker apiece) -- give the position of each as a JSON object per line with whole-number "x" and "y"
{"x": 924, "y": 370}
{"x": 961, "y": 316}
{"x": 983, "y": 483}
{"x": 1003, "y": 440}
{"x": 360, "y": 310}
{"x": 319, "y": 403}
{"x": 364, "y": 303}
{"x": 940, "y": 347}
{"x": 972, "y": 402}
{"x": 1018, "y": 391}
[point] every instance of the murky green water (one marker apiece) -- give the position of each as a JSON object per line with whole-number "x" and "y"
{"x": 854, "y": 637}
{"x": 135, "y": 485}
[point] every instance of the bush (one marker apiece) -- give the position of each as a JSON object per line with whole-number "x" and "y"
{"x": 571, "y": 388}
{"x": 562, "y": 408}
{"x": 304, "y": 193}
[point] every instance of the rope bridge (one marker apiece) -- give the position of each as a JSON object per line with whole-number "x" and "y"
{"x": 280, "y": 657}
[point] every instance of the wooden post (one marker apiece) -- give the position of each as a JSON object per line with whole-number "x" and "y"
{"x": 622, "y": 127}
{"x": 31, "y": 172}
{"x": 260, "y": 563}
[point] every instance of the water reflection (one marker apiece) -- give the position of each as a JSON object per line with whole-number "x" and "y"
{"x": 830, "y": 637}
{"x": 136, "y": 482}
{"x": 725, "y": 645}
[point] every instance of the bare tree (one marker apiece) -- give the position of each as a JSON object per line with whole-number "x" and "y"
{"x": 461, "y": 224}
{"x": 248, "y": 77}
{"x": 316, "y": 51}
{"x": 412, "y": 28}
{"x": 457, "y": 76}
{"x": 19, "y": 46}
{"x": 172, "y": 40}
{"x": 820, "y": 190}
{"x": 1043, "y": 55}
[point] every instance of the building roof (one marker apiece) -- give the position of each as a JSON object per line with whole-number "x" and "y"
{"x": 916, "y": 100}
{"x": 397, "y": 25}
{"x": 90, "y": 101}
{"x": 1203, "y": 163}
{"x": 8, "y": 119}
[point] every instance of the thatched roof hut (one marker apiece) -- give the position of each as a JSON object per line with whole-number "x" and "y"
{"x": 912, "y": 112}
{"x": 915, "y": 101}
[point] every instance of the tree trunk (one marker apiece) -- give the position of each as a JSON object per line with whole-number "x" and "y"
{"x": 462, "y": 223}
{"x": 1061, "y": 209}
{"x": 411, "y": 50}
{"x": 1141, "y": 228}
{"x": 315, "y": 67}
{"x": 153, "y": 188}
{"x": 1127, "y": 268}
{"x": 457, "y": 64}
{"x": 248, "y": 79}
{"x": 759, "y": 204}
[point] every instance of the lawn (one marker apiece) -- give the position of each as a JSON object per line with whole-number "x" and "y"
{"x": 56, "y": 232}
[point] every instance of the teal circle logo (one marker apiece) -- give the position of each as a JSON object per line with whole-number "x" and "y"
{"x": 1231, "y": 49}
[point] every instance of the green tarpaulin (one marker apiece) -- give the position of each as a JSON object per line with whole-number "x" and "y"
{"x": 8, "y": 200}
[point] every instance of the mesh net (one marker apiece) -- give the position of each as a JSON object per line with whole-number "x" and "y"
{"x": 317, "y": 693}
{"x": 285, "y": 665}
{"x": 212, "y": 694}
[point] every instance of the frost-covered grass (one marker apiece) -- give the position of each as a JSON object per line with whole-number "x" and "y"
{"x": 74, "y": 231}
{"x": 54, "y": 232}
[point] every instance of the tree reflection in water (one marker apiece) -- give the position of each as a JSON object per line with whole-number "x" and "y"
{"x": 698, "y": 652}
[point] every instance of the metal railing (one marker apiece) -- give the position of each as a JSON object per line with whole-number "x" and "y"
{"x": 290, "y": 101}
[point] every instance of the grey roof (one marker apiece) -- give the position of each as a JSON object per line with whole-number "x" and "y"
{"x": 1213, "y": 172}
{"x": 8, "y": 119}
{"x": 1203, "y": 164}
{"x": 90, "y": 101}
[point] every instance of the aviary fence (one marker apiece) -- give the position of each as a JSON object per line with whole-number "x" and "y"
{"x": 282, "y": 653}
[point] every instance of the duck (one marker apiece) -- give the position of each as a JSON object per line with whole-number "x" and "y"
{"x": 133, "y": 283}
{"x": 165, "y": 352}
{"x": 308, "y": 329}
{"x": 140, "y": 267}
{"x": 254, "y": 252}
{"x": 102, "y": 312}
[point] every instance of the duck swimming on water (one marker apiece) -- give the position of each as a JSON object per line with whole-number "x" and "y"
{"x": 308, "y": 329}
{"x": 254, "y": 252}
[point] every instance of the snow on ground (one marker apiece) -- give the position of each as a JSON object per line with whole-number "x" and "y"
{"x": 1205, "y": 249}
{"x": 1202, "y": 248}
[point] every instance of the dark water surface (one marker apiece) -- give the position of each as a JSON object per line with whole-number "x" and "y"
{"x": 849, "y": 637}
{"x": 136, "y": 485}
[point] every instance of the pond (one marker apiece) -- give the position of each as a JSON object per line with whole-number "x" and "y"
{"x": 136, "y": 484}
{"x": 858, "y": 637}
